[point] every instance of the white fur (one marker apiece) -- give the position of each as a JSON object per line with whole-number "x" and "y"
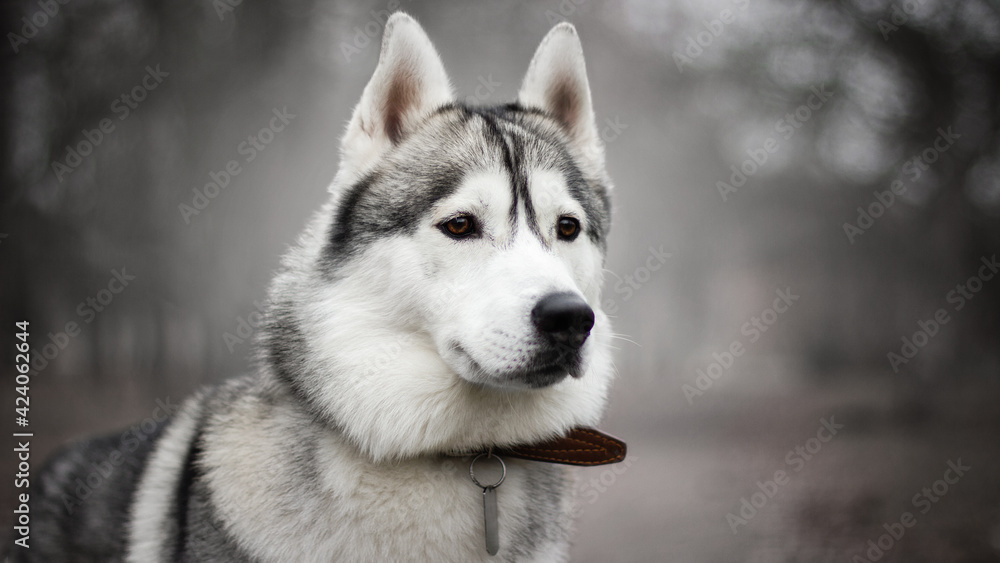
{"x": 383, "y": 364}
{"x": 557, "y": 72}
{"x": 401, "y": 305}
{"x": 385, "y": 328}
{"x": 421, "y": 509}
{"x": 151, "y": 517}
{"x": 408, "y": 60}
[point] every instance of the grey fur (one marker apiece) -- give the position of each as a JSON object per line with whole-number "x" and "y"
{"x": 74, "y": 521}
{"x": 429, "y": 164}
{"x": 244, "y": 471}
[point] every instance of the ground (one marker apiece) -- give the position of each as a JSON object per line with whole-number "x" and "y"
{"x": 691, "y": 465}
{"x": 694, "y": 467}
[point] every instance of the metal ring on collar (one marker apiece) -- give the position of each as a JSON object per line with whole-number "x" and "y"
{"x": 472, "y": 471}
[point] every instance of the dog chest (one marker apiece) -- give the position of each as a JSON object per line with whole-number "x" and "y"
{"x": 339, "y": 505}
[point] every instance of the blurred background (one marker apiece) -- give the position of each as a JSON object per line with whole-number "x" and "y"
{"x": 806, "y": 225}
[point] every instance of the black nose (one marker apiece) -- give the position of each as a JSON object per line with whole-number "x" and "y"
{"x": 565, "y": 317}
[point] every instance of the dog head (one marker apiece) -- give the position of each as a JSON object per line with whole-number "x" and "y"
{"x": 448, "y": 295}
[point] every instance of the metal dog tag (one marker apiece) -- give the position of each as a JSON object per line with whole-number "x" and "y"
{"x": 490, "y": 514}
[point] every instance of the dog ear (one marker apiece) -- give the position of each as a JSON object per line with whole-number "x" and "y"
{"x": 556, "y": 82}
{"x": 408, "y": 84}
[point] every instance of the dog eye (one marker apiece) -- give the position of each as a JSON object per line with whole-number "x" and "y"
{"x": 568, "y": 228}
{"x": 460, "y": 227}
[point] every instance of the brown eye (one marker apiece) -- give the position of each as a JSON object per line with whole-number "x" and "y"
{"x": 459, "y": 227}
{"x": 568, "y": 228}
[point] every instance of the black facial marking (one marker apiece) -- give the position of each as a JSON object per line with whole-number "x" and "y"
{"x": 342, "y": 225}
{"x": 584, "y": 193}
{"x": 497, "y": 139}
{"x": 547, "y": 139}
{"x": 503, "y": 124}
{"x": 386, "y": 203}
{"x": 430, "y": 163}
{"x": 590, "y": 193}
{"x": 517, "y": 145}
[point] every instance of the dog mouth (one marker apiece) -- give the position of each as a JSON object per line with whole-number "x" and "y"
{"x": 538, "y": 372}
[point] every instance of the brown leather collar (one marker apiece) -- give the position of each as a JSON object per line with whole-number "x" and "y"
{"x": 582, "y": 446}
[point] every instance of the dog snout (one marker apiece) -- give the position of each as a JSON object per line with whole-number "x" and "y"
{"x": 564, "y": 317}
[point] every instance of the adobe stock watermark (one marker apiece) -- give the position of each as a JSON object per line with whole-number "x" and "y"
{"x": 245, "y": 327}
{"x": 923, "y": 500}
{"x": 563, "y": 11}
{"x": 914, "y": 167}
{"x": 389, "y": 351}
{"x": 385, "y": 355}
{"x": 785, "y": 128}
{"x": 695, "y": 46}
{"x": 122, "y": 106}
{"x": 629, "y": 284}
{"x": 483, "y": 91}
{"x": 87, "y": 310}
{"x": 129, "y": 441}
{"x": 612, "y": 129}
{"x": 365, "y": 34}
{"x": 957, "y": 298}
{"x": 435, "y": 478}
{"x": 223, "y": 7}
{"x": 899, "y": 16}
{"x": 249, "y": 149}
{"x": 609, "y": 132}
{"x": 30, "y": 25}
{"x": 753, "y": 330}
{"x": 590, "y": 490}
{"x": 795, "y": 460}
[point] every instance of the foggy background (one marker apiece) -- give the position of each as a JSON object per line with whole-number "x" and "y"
{"x": 819, "y": 107}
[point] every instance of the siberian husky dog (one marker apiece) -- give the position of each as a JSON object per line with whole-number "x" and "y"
{"x": 445, "y": 301}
